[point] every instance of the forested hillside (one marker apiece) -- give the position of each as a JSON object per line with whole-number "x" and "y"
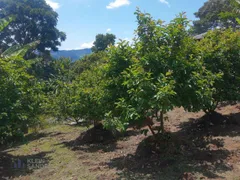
{"x": 72, "y": 54}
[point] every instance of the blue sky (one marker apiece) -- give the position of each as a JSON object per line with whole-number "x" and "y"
{"x": 81, "y": 20}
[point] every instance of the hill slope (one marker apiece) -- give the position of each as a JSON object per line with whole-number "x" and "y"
{"x": 72, "y": 54}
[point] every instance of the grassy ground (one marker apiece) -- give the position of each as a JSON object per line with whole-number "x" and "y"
{"x": 195, "y": 150}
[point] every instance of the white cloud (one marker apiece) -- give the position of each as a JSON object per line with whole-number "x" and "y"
{"x": 165, "y": 2}
{"x": 109, "y": 30}
{"x": 54, "y": 5}
{"x": 86, "y": 45}
{"x": 129, "y": 40}
{"x": 117, "y": 3}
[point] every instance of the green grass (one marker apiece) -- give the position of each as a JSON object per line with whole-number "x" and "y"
{"x": 63, "y": 162}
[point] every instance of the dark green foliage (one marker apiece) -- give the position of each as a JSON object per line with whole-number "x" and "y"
{"x": 217, "y": 13}
{"x": 20, "y": 98}
{"x": 103, "y": 41}
{"x": 57, "y": 88}
{"x": 34, "y": 20}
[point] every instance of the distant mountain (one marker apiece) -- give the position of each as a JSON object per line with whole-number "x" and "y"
{"x": 72, "y": 54}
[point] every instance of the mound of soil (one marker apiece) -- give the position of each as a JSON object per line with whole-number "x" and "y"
{"x": 162, "y": 145}
{"x": 213, "y": 120}
{"x": 97, "y": 134}
{"x": 216, "y": 118}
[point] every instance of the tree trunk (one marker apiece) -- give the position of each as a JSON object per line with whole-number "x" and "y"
{"x": 152, "y": 131}
{"x": 76, "y": 121}
{"x": 161, "y": 128}
{"x": 24, "y": 129}
{"x": 211, "y": 109}
{"x": 95, "y": 123}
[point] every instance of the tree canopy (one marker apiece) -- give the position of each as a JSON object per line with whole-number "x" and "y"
{"x": 103, "y": 41}
{"x": 33, "y": 20}
{"x": 21, "y": 96}
{"x": 217, "y": 13}
{"x": 220, "y": 50}
{"x": 162, "y": 70}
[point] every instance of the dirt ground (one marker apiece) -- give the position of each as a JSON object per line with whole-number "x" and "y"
{"x": 195, "y": 147}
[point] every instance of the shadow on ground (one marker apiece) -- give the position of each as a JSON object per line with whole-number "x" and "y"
{"x": 195, "y": 149}
{"x": 90, "y": 148}
{"x": 214, "y": 125}
{"x": 17, "y": 166}
{"x": 98, "y": 139}
{"x": 29, "y": 138}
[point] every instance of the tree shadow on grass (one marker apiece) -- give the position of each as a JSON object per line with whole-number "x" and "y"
{"x": 194, "y": 149}
{"x": 103, "y": 141}
{"x": 16, "y": 166}
{"x": 94, "y": 139}
{"x": 27, "y": 139}
{"x": 108, "y": 146}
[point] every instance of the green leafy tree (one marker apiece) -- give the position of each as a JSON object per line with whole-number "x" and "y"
{"x": 81, "y": 97}
{"x": 34, "y": 20}
{"x": 21, "y": 98}
{"x": 87, "y": 62}
{"x": 120, "y": 58}
{"x": 217, "y": 13}
{"x": 90, "y": 95}
{"x": 160, "y": 71}
{"x": 58, "y": 89}
{"x": 220, "y": 50}
{"x": 60, "y": 102}
{"x": 103, "y": 41}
